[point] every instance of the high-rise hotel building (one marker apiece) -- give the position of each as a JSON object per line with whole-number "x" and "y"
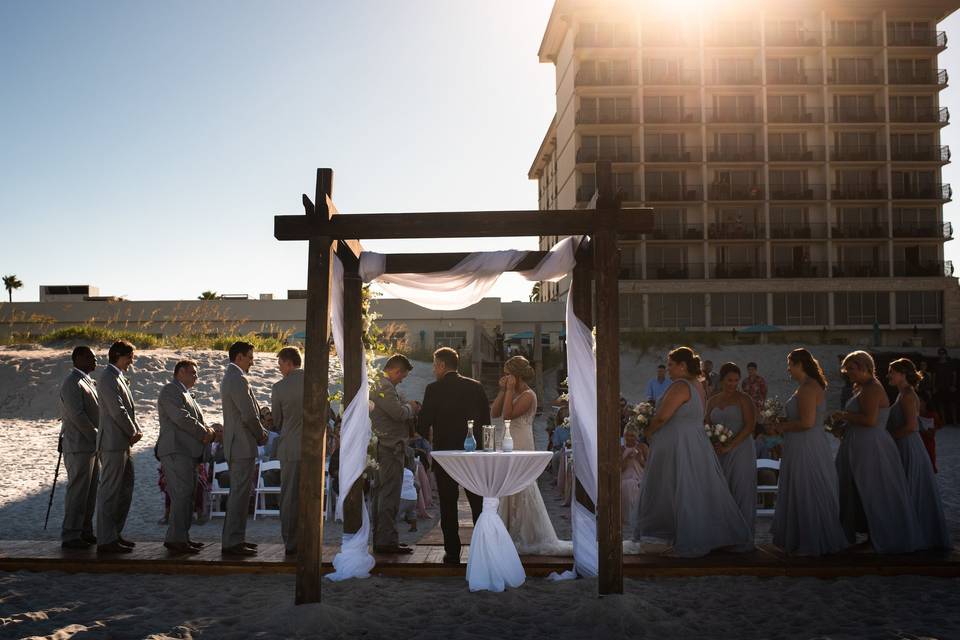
{"x": 791, "y": 151}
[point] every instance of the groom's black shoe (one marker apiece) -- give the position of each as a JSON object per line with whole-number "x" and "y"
{"x": 449, "y": 559}
{"x": 392, "y": 549}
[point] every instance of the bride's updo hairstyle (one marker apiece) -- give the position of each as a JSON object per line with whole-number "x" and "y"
{"x": 520, "y": 367}
{"x": 809, "y": 364}
{"x": 685, "y": 355}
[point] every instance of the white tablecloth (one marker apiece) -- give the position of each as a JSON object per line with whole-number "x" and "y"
{"x": 493, "y": 563}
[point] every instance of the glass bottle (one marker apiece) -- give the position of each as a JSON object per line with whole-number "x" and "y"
{"x": 470, "y": 443}
{"x": 507, "y": 438}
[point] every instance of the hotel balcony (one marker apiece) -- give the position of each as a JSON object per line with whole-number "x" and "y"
{"x": 797, "y": 154}
{"x": 927, "y": 153}
{"x": 682, "y": 154}
{"x": 930, "y": 230}
{"x": 619, "y": 40}
{"x": 724, "y": 37}
{"x": 936, "y": 77}
{"x": 935, "y": 116}
{"x": 795, "y": 76}
{"x": 738, "y": 270}
{"x": 835, "y": 76}
{"x": 613, "y": 155}
{"x": 674, "y": 193}
{"x": 859, "y": 153}
{"x": 795, "y": 116}
{"x": 858, "y": 269}
{"x": 859, "y": 232}
{"x": 669, "y": 271}
{"x": 793, "y": 38}
{"x": 917, "y": 38}
{"x": 941, "y": 192}
{"x": 689, "y": 231}
{"x": 733, "y": 77}
{"x": 667, "y": 38}
{"x": 855, "y": 39}
{"x": 681, "y": 77}
{"x": 671, "y": 116}
{"x": 856, "y": 116}
{"x": 737, "y": 231}
{"x": 734, "y": 192}
{"x": 799, "y": 270}
{"x": 618, "y": 116}
{"x": 736, "y": 154}
{"x": 858, "y": 192}
{"x": 802, "y": 192}
{"x": 606, "y": 79}
{"x": 923, "y": 269}
{"x": 735, "y": 115}
{"x": 798, "y": 231}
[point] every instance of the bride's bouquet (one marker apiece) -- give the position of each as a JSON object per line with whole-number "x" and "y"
{"x": 835, "y": 427}
{"x": 640, "y": 416}
{"x": 718, "y": 434}
{"x": 771, "y": 410}
{"x": 372, "y": 464}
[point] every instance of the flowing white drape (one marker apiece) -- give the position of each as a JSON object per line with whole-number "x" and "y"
{"x": 466, "y": 284}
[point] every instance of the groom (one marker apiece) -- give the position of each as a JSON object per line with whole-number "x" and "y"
{"x": 447, "y": 405}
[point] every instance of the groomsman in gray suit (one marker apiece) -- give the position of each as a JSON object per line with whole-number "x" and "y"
{"x": 180, "y": 447}
{"x": 286, "y": 402}
{"x": 119, "y": 431}
{"x": 242, "y": 432}
{"x": 80, "y": 408}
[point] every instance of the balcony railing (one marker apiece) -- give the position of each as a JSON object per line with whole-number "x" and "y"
{"x": 927, "y": 192}
{"x": 926, "y": 230}
{"x": 860, "y": 269}
{"x": 781, "y": 192}
{"x": 916, "y": 38}
{"x": 690, "y": 231}
{"x": 799, "y": 270}
{"x": 733, "y": 192}
{"x": 735, "y": 115}
{"x": 855, "y": 39}
{"x": 689, "y": 77}
{"x": 795, "y": 116}
{"x": 937, "y": 77}
{"x": 613, "y": 155}
{"x": 675, "y": 271}
{"x": 858, "y": 231}
{"x": 725, "y": 37}
{"x": 733, "y": 76}
{"x": 856, "y": 115}
{"x": 859, "y": 192}
{"x": 923, "y": 269}
{"x": 617, "y": 116}
{"x": 616, "y": 40}
{"x": 674, "y": 193}
{"x": 738, "y": 270}
{"x": 854, "y": 76}
{"x": 796, "y": 153}
{"x": 937, "y": 116}
{"x": 683, "y": 154}
{"x": 737, "y": 231}
{"x": 925, "y": 153}
{"x": 795, "y": 76}
{"x": 798, "y": 231}
{"x": 859, "y": 153}
{"x": 737, "y": 154}
{"x": 606, "y": 79}
{"x": 793, "y": 38}
{"x": 671, "y": 116}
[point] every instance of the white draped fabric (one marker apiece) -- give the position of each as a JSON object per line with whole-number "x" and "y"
{"x": 466, "y": 284}
{"x": 494, "y": 563}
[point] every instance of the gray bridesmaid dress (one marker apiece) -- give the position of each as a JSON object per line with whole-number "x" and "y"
{"x": 739, "y": 466}
{"x": 806, "y": 519}
{"x": 922, "y": 486}
{"x": 873, "y": 487}
{"x": 685, "y": 499}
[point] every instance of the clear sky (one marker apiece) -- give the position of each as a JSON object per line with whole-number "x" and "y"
{"x": 146, "y": 146}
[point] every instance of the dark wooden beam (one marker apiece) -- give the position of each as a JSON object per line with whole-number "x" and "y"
{"x": 351, "y": 359}
{"x": 436, "y": 262}
{"x": 471, "y": 224}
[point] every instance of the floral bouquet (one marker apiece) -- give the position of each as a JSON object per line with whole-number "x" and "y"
{"x": 835, "y": 427}
{"x": 640, "y": 416}
{"x": 718, "y": 434}
{"x": 372, "y": 464}
{"x": 771, "y": 410}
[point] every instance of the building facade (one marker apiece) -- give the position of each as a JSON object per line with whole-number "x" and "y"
{"x": 791, "y": 151}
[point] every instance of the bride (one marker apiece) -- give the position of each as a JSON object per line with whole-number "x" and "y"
{"x": 524, "y": 513}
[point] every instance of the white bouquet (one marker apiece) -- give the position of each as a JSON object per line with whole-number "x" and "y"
{"x": 718, "y": 434}
{"x": 771, "y": 410}
{"x": 835, "y": 427}
{"x": 640, "y": 416}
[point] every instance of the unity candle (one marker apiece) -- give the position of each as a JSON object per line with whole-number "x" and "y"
{"x": 489, "y": 433}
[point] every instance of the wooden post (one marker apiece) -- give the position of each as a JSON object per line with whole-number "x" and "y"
{"x": 607, "y": 271}
{"x": 582, "y": 291}
{"x": 351, "y": 359}
{"x": 315, "y": 405}
{"x": 538, "y": 363}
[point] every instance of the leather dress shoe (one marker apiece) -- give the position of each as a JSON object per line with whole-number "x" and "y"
{"x": 180, "y": 547}
{"x": 126, "y": 543}
{"x": 239, "y": 550}
{"x": 392, "y": 549}
{"x": 290, "y": 552}
{"x": 76, "y": 543}
{"x": 449, "y": 559}
{"x": 250, "y": 545}
{"x": 113, "y": 547}
{"x": 89, "y": 538}
{"x": 196, "y": 545}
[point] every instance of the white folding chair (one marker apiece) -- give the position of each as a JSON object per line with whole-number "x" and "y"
{"x": 218, "y": 493}
{"x": 767, "y": 489}
{"x": 264, "y": 490}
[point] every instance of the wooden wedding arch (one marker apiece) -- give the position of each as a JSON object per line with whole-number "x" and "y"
{"x": 598, "y": 264}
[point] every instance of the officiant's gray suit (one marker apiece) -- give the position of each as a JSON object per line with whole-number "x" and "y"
{"x": 118, "y": 424}
{"x": 286, "y": 402}
{"x": 80, "y": 411}
{"x": 241, "y": 431}
{"x": 180, "y": 448}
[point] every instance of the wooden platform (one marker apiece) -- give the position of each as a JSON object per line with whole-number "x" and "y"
{"x": 427, "y": 560}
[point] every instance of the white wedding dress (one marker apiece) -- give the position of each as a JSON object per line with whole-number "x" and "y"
{"x": 524, "y": 513}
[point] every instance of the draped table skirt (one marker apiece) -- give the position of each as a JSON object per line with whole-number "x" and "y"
{"x": 493, "y": 564}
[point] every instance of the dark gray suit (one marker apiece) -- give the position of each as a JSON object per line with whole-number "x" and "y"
{"x": 180, "y": 448}
{"x": 118, "y": 424}
{"x": 80, "y": 411}
{"x": 389, "y": 423}
{"x": 241, "y": 431}
{"x": 286, "y": 402}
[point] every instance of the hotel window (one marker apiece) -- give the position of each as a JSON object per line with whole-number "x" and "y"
{"x": 861, "y": 308}
{"x": 665, "y": 147}
{"x": 614, "y": 148}
{"x": 789, "y": 218}
{"x": 663, "y": 108}
{"x": 607, "y": 109}
{"x": 910, "y": 69}
{"x": 786, "y": 108}
{"x": 857, "y": 32}
{"x": 915, "y": 221}
{"x": 787, "y": 146}
{"x": 631, "y": 309}
{"x": 855, "y": 105}
{"x": 907, "y": 145}
{"x": 904, "y": 32}
{"x": 734, "y": 107}
{"x": 738, "y": 309}
{"x": 453, "y": 339}
{"x": 662, "y": 70}
{"x": 676, "y": 311}
{"x": 909, "y": 108}
{"x": 734, "y": 69}
{"x": 856, "y": 70}
{"x": 784, "y": 70}
{"x": 863, "y": 218}
{"x": 919, "y": 307}
{"x": 800, "y": 309}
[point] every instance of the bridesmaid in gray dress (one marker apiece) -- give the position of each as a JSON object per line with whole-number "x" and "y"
{"x": 806, "y": 520}
{"x": 922, "y": 486}
{"x": 685, "y": 499}
{"x": 738, "y": 458}
{"x": 873, "y": 486}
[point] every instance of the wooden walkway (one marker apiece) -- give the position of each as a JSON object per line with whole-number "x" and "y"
{"x": 427, "y": 560}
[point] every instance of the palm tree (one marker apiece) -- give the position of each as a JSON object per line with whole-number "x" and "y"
{"x": 208, "y": 295}
{"x": 10, "y": 283}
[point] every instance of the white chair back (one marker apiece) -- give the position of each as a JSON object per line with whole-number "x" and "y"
{"x": 766, "y": 489}
{"x": 264, "y": 489}
{"x": 218, "y": 493}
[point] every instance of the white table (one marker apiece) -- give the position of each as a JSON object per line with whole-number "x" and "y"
{"x": 493, "y": 562}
